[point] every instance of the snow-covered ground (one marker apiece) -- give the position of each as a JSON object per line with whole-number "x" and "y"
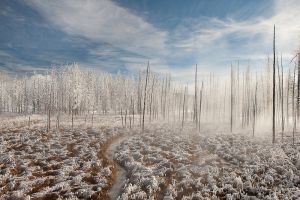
{"x": 63, "y": 163}
{"x": 163, "y": 162}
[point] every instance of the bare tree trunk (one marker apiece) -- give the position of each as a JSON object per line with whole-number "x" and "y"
{"x": 224, "y": 102}
{"x": 268, "y": 83}
{"x": 287, "y": 98}
{"x": 151, "y": 98}
{"x": 282, "y": 110}
{"x": 145, "y": 96}
{"x": 49, "y": 120}
{"x": 167, "y": 97}
{"x": 231, "y": 99}
{"x": 72, "y": 118}
{"x": 93, "y": 115}
{"x": 126, "y": 118}
{"x": 161, "y": 96}
{"x": 237, "y": 114}
{"x": 139, "y": 108}
{"x": 294, "y": 112}
{"x": 132, "y": 110}
{"x": 274, "y": 84}
{"x": 200, "y": 107}
{"x": 183, "y": 107}
{"x": 298, "y": 88}
{"x": 293, "y": 92}
{"x": 254, "y": 108}
{"x": 122, "y": 118}
{"x": 295, "y": 125}
{"x": 179, "y": 108}
{"x": 244, "y": 101}
{"x": 57, "y": 120}
{"x": 195, "y": 118}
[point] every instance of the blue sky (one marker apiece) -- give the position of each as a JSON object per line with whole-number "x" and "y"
{"x": 122, "y": 35}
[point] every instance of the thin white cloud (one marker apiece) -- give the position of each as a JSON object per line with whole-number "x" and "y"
{"x": 12, "y": 63}
{"x": 103, "y": 52}
{"x": 102, "y": 20}
{"x": 4, "y": 54}
{"x": 213, "y": 36}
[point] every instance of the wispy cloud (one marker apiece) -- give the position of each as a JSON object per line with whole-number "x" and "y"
{"x": 248, "y": 39}
{"x": 103, "y": 21}
{"x": 215, "y": 43}
{"x": 10, "y": 64}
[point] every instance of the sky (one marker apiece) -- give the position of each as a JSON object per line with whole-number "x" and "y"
{"x": 121, "y": 36}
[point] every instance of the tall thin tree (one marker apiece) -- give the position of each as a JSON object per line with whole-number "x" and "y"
{"x": 195, "y": 118}
{"x": 231, "y": 98}
{"x": 145, "y": 95}
{"x": 274, "y": 92}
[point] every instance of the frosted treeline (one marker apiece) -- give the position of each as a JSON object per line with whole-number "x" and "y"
{"x": 242, "y": 100}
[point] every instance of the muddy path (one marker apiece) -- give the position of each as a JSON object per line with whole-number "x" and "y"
{"x": 120, "y": 179}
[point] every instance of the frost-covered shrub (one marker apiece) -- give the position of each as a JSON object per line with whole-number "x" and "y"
{"x": 59, "y": 164}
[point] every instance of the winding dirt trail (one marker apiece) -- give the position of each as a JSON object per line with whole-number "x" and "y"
{"x": 115, "y": 191}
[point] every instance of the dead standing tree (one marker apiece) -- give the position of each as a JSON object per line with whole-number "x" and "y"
{"x": 231, "y": 98}
{"x": 200, "y": 106}
{"x": 254, "y": 107}
{"x": 195, "y": 117}
{"x": 145, "y": 96}
{"x": 298, "y": 88}
{"x": 274, "y": 84}
{"x": 281, "y": 97}
{"x": 183, "y": 106}
{"x": 294, "y": 112}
